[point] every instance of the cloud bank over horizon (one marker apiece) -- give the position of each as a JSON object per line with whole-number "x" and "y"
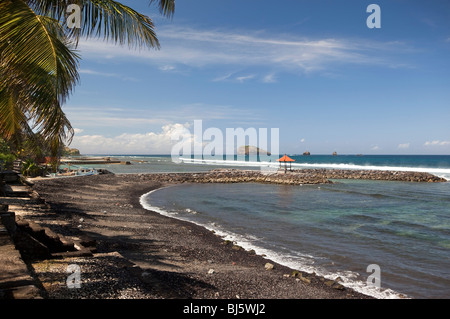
{"x": 150, "y": 143}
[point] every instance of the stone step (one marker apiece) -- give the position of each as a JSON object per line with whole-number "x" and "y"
{"x": 18, "y": 201}
{"x": 3, "y": 230}
{"x": 9, "y": 176}
{"x": 55, "y": 243}
{"x": 8, "y": 220}
{"x": 16, "y": 190}
{"x": 15, "y": 279}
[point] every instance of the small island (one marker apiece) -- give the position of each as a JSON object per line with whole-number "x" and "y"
{"x": 67, "y": 151}
{"x": 251, "y": 150}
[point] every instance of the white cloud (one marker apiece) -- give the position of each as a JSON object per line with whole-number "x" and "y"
{"x": 403, "y": 146}
{"x": 107, "y": 121}
{"x": 302, "y": 140}
{"x": 130, "y": 116}
{"x": 375, "y": 148}
{"x": 242, "y": 79}
{"x": 106, "y": 74}
{"x": 437, "y": 143}
{"x": 269, "y": 78}
{"x": 147, "y": 143}
{"x": 96, "y": 117}
{"x": 197, "y": 48}
{"x": 232, "y": 77}
{"x": 167, "y": 68}
{"x": 78, "y": 130}
{"x": 223, "y": 77}
{"x": 93, "y": 72}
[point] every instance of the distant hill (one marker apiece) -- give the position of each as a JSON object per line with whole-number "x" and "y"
{"x": 67, "y": 151}
{"x": 251, "y": 150}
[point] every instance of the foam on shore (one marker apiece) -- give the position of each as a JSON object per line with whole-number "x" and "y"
{"x": 296, "y": 261}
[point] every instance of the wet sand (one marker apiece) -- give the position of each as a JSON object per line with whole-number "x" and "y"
{"x": 142, "y": 254}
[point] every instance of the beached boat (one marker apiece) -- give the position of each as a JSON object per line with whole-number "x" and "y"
{"x": 86, "y": 171}
{"x": 81, "y": 171}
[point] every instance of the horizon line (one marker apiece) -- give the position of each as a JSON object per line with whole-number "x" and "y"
{"x": 290, "y": 154}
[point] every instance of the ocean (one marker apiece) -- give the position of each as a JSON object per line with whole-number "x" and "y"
{"x": 435, "y": 164}
{"x": 385, "y": 239}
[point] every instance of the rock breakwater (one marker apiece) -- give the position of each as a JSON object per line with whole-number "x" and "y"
{"x": 403, "y": 176}
{"x": 238, "y": 176}
{"x": 296, "y": 177}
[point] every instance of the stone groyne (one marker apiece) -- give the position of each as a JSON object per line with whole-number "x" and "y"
{"x": 296, "y": 177}
{"x": 401, "y": 176}
{"x": 236, "y": 176}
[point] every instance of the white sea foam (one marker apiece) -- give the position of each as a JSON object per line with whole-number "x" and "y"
{"x": 440, "y": 172}
{"x": 297, "y": 260}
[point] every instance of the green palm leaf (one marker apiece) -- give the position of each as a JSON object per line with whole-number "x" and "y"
{"x": 12, "y": 117}
{"x": 38, "y": 61}
{"x": 38, "y": 72}
{"x": 108, "y": 19}
{"x": 166, "y": 7}
{"x": 35, "y": 50}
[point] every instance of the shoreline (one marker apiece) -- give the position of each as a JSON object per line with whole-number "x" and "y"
{"x": 178, "y": 258}
{"x": 274, "y": 256}
{"x": 166, "y": 257}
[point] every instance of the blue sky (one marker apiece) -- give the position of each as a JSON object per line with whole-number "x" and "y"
{"x": 311, "y": 68}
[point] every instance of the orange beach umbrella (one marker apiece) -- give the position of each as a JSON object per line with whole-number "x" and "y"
{"x": 286, "y": 159}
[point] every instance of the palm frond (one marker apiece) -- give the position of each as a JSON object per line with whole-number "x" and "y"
{"x": 114, "y": 21}
{"x": 38, "y": 63}
{"x": 38, "y": 71}
{"x": 107, "y": 19}
{"x": 166, "y": 7}
{"x": 54, "y": 123}
{"x": 34, "y": 47}
{"x": 12, "y": 117}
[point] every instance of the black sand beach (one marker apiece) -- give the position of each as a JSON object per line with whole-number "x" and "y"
{"x": 142, "y": 254}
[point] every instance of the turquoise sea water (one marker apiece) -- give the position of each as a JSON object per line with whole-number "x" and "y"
{"x": 335, "y": 230}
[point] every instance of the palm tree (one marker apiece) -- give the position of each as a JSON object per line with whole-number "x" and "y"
{"x": 39, "y": 61}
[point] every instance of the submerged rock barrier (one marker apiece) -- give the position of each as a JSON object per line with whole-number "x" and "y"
{"x": 295, "y": 177}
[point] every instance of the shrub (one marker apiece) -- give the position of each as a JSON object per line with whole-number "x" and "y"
{"x": 6, "y": 161}
{"x": 31, "y": 169}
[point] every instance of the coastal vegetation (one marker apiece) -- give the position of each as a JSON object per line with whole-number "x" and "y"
{"x": 67, "y": 151}
{"x": 33, "y": 158}
{"x": 6, "y": 157}
{"x": 39, "y": 65}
